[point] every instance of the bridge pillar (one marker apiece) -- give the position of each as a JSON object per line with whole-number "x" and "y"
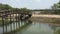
{"x": 3, "y": 24}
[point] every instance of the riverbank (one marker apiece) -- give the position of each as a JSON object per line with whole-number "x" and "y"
{"x": 46, "y": 15}
{"x": 50, "y": 19}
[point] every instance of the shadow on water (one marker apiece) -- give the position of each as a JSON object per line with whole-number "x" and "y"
{"x": 15, "y": 27}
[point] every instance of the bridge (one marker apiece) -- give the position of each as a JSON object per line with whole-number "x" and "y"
{"x": 7, "y": 18}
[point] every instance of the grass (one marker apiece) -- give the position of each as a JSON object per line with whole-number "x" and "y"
{"x": 0, "y": 22}
{"x": 46, "y": 20}
{"x": 5, "y": 22}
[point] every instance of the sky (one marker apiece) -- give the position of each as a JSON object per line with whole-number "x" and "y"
{"x": 30, "y": 4}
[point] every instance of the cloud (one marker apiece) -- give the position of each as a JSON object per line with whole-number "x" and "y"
{"x": 37, "y": 0}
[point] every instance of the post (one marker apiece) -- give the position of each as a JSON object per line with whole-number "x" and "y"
{"x": 3, "y": 24}
{"x": 10, "y": 22}
{"x": 5, "y": 20}
{"x": 16, "y": 21}
{"x": 19, "y": 20}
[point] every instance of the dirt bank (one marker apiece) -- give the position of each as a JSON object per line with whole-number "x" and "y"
{"x": 42, "y": 15}
{"x": 55, "y": 19}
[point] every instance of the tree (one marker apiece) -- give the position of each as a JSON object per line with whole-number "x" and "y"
{"x": 5, "y": 6}
{"x": 25, "y": 10}
{"x": 56, "y": 8}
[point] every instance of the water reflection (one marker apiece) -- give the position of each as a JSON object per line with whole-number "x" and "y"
{"x": 30, "y": 27}
{"x": 37, "y": 28}
{"x": 40, "y": 28}
{"x": 14, "y": 26}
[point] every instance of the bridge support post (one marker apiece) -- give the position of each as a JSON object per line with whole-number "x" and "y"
{"x": 16, "y": 21}
{"x": 10, "y": 23}
{"x": 3, "y": 24}
{"x": 6, "y": 24}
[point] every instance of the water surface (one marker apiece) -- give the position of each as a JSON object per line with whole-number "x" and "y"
{"x": 40, "y": 28}
{"x": 33, "y": 28}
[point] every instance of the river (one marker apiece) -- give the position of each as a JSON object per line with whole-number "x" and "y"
{"x": 40, "y": 28}
{"x": 36, "y": 28}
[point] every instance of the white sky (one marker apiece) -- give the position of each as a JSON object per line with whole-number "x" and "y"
{"x": 31, "y": 4}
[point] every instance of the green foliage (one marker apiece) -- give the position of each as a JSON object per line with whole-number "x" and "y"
{"x": 56, "y": 8}
{"x": 5, "y": 6}
{"x": 25, "y": 10}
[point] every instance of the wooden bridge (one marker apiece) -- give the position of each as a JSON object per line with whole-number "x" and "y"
{"x": 9, "y": 17}
{"x": 5, "y": 13}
